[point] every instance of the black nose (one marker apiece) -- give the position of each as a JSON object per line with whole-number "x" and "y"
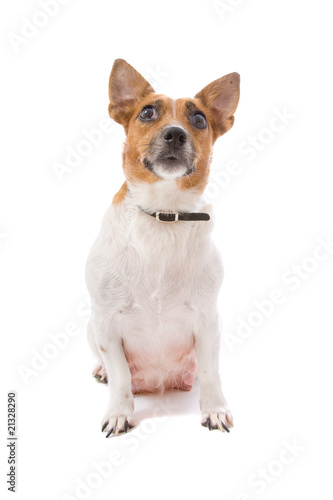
{"x": 175, "y": 136}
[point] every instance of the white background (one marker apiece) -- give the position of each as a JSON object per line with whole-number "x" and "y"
{"x": 269, "y": 217}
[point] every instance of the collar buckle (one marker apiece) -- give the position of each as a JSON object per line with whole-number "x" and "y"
{"x": 167, "y": 217}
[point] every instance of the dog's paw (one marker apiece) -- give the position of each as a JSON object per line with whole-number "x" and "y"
{"x": 221, "y": 419}
{"x": 118, "y": 424}
{"x": 100, "y": 374}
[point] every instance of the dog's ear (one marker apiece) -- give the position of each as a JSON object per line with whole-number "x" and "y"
{"x": 221, "y": 98}
{"x": 126, "y": 88}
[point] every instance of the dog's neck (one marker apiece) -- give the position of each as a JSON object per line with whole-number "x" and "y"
{"x": 164, "y": 195}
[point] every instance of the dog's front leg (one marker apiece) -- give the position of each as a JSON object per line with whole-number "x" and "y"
{"x": 214, "y": 408}
{"x": 119, "y": 414}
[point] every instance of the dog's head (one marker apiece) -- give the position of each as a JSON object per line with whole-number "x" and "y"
{"x": 166, "y": 138}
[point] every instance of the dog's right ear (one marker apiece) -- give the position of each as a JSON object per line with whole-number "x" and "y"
{"x": 126, "y": 89}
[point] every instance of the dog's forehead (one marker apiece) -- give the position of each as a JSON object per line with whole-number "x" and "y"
{"x": 167, "y": 105}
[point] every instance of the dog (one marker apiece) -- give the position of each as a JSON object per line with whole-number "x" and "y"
{"x": 153, "y": 273}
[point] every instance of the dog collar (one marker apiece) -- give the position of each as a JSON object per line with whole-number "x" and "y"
{"x": 176, "y": 216}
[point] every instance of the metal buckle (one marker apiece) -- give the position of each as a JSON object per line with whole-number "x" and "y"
{"x": 175, "y": 214}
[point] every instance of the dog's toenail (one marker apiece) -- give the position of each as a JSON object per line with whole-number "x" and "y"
{"x": 110, "y": 432}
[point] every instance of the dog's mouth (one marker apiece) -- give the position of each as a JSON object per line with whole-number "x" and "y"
{"x": 171, "y": 161}
{"x": 170, "y": 166}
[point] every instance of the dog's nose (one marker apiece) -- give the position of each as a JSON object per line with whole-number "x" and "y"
{"x": 175, "y": 136}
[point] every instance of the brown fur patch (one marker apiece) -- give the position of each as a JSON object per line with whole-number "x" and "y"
{"x": 141, "y": 134}
{"x": 102, "y": 348}
{"x": 119, "y": 197}
{"x": 203, "y": 141}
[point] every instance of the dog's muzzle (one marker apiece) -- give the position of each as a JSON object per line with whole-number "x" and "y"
{"x": 171, "y": 154}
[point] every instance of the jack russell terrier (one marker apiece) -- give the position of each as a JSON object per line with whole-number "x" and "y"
{"x": 153, "y": 273}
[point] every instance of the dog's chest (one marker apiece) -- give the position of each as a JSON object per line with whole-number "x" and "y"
{"x": 152, "y": 275}
{"x": 160, "y": 267}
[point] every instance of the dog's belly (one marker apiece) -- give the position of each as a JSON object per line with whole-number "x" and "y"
{"x": 158, "y": 343}
{"x": 170, "y": 369}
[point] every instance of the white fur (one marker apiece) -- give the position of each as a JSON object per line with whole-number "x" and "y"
{"x": 154, "y": 289}
{"x": 167, "y": 174}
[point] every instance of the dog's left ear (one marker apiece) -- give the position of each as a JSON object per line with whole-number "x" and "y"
{"x": 126, "y": 89}
{"x": 221, "y": 98}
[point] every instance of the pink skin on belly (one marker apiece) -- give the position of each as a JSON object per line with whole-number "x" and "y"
{"x": 174, "y": 369}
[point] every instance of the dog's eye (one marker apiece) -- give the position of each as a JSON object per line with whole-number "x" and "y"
{"x": 199, "y": 120}
{"x": 148, "y": 113}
